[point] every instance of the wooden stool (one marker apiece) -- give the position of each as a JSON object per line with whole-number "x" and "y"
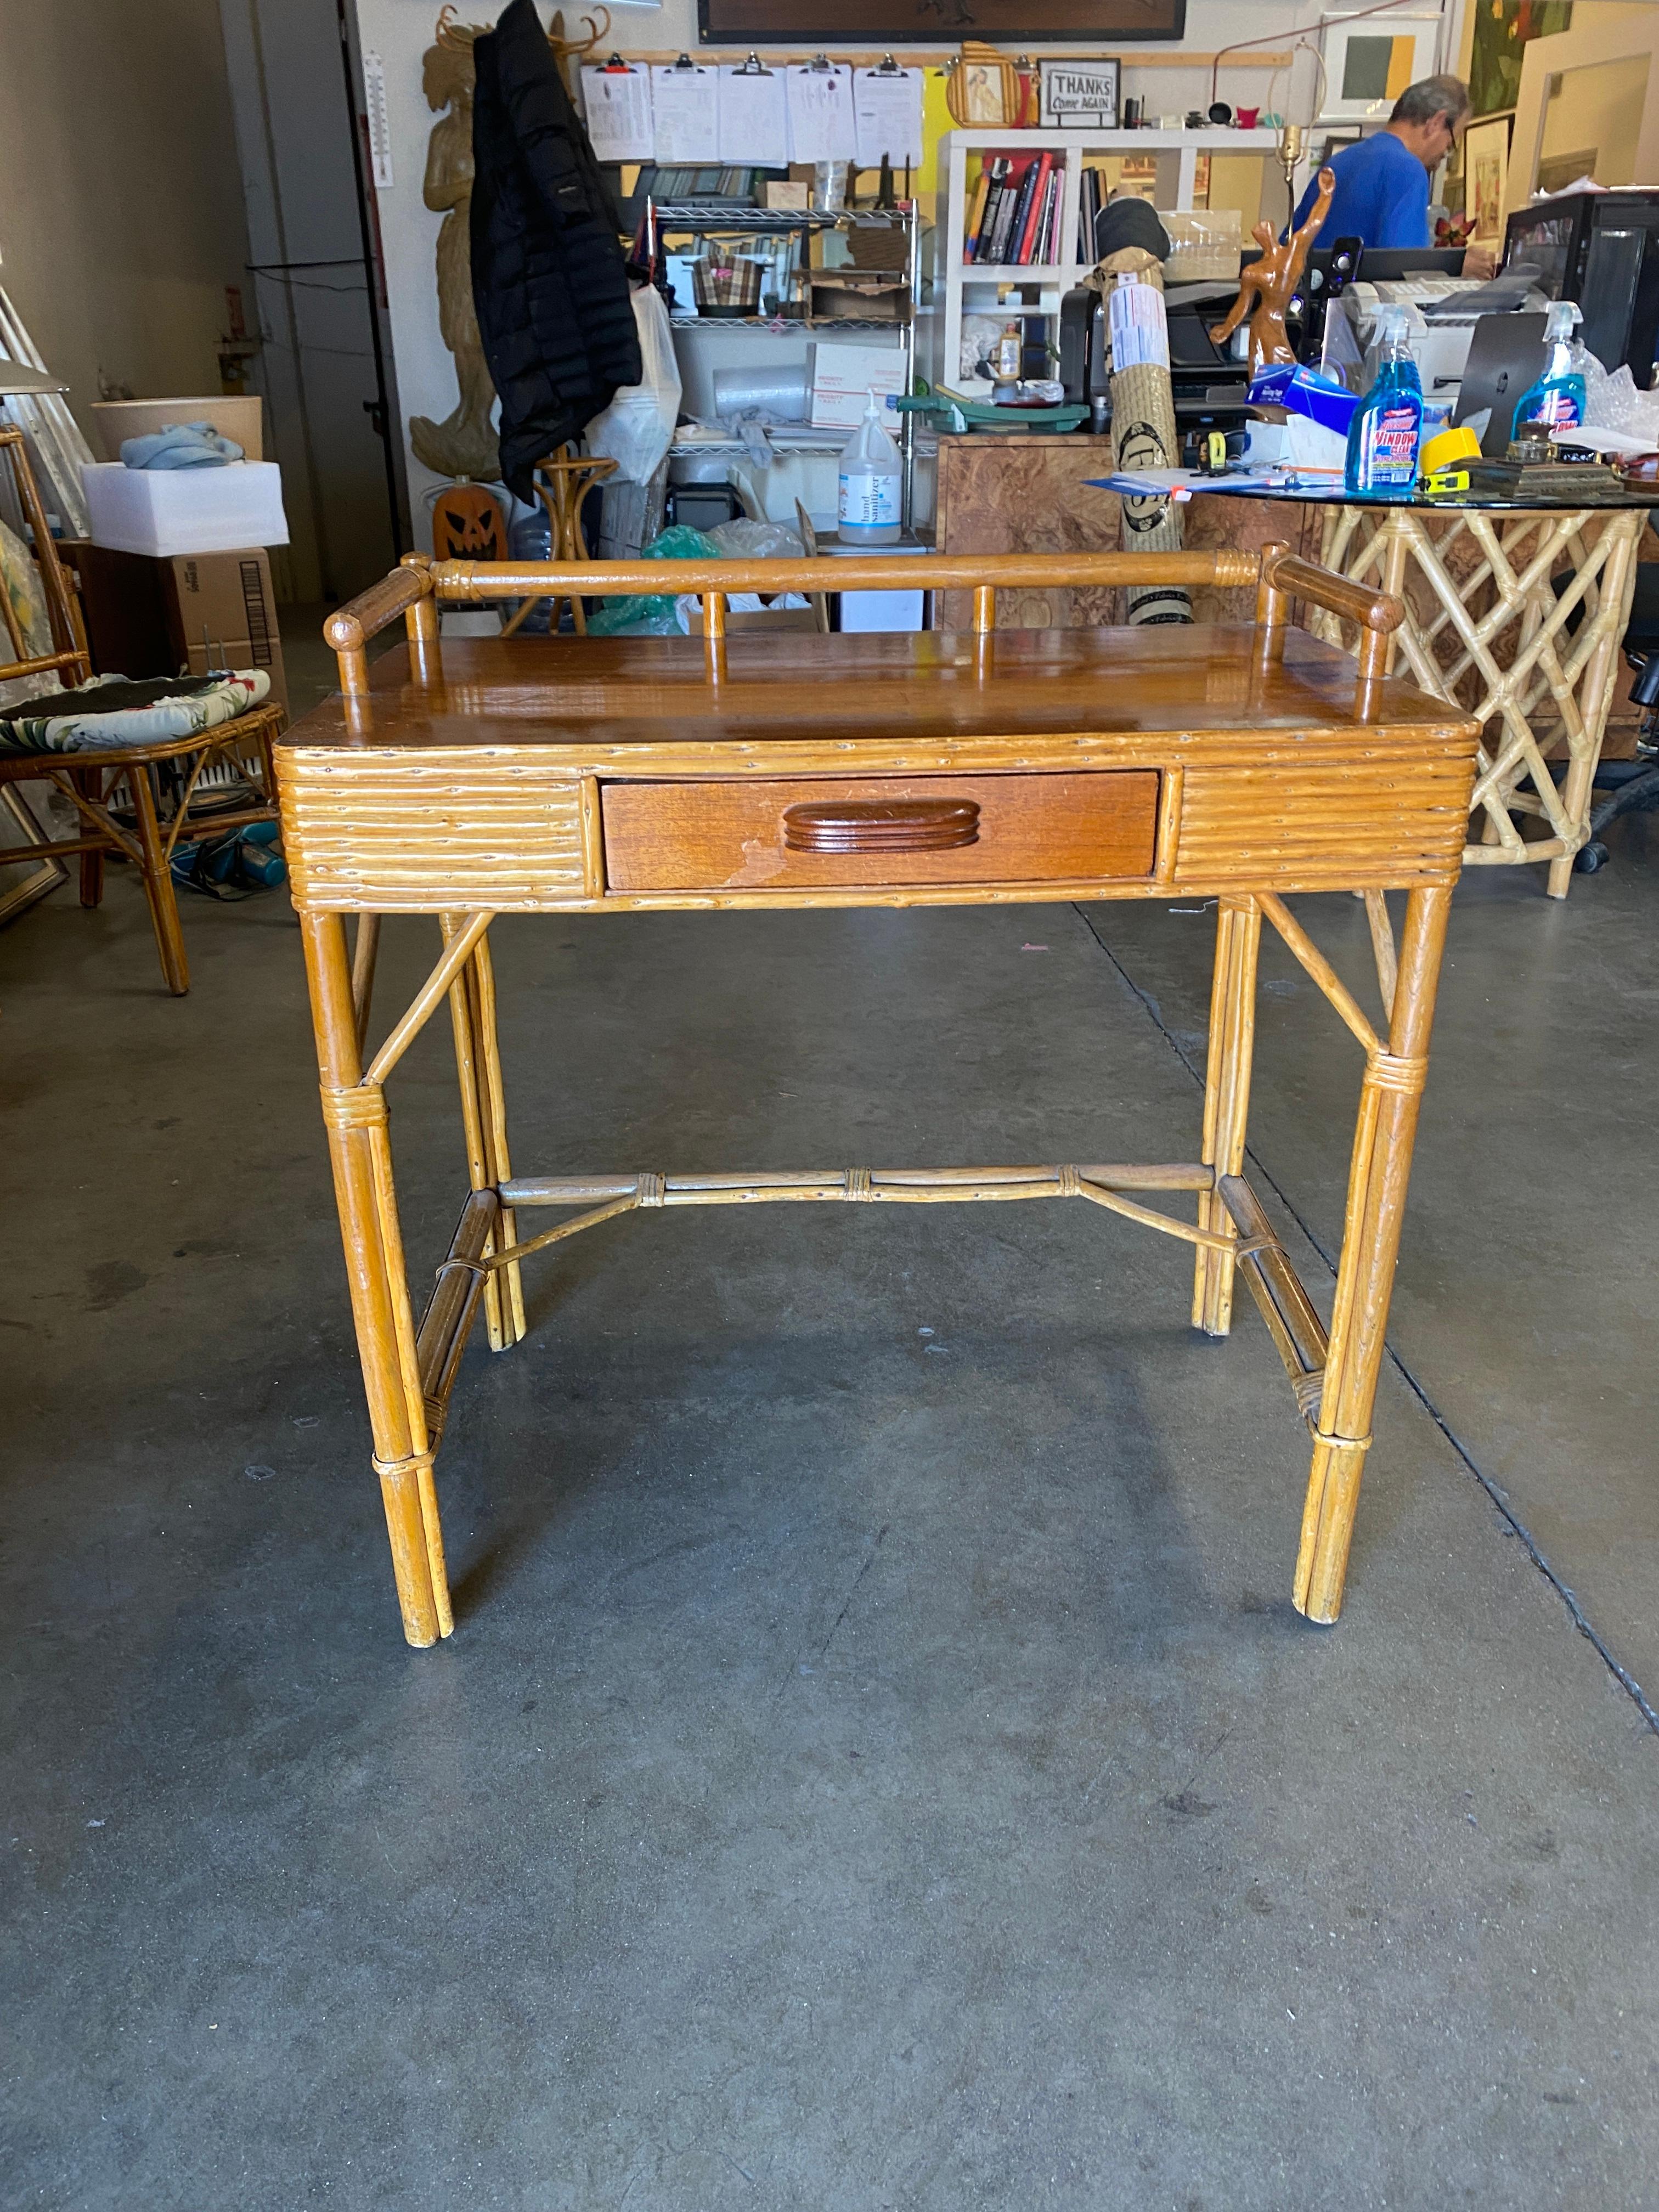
{"x": 90, "y": 781}
{"x": 568, "y": 478}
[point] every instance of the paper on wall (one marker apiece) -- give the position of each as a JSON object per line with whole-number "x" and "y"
{"x": 887, "y": 117}
{"x": 820, "y": 105}
{"x": 618, "y": 105}
{"x": 754, "y": 119}
{"x": 685, "y": 114}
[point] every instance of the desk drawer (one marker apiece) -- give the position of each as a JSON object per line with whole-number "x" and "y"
{"x": 787, "y": 835}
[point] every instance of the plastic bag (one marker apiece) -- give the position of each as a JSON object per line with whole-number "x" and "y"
{"x": 640, "y": 617}
{"x": 744, "y": 540}
{"x": 636, "y": 430}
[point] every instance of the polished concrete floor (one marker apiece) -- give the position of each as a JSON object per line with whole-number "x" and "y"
{"x": 877, "y": 1765}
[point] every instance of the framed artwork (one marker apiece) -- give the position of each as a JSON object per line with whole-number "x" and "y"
{"x": 23, "y": 878}
{"x": 1370, "y": 59}
{"x": 1486, "y": 174}
{"x": 934, "y": 22}
{"x": 1080, "y": 96}
{"x": 1502, "y": 29}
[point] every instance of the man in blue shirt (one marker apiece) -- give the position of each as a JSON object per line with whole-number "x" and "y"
{"x": 1381, "y": 195}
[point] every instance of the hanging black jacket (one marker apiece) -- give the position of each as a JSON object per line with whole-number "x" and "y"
{"x": 548, "y": 277}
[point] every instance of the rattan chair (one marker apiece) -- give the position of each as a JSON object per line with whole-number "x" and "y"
{"x": 93, "y": 782}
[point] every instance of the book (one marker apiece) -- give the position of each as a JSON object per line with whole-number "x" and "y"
{"x": 977, "y": 212}
{"x": 1038, "y": 181}
{"x": 1017, "y": 201}
{"x": 1043, "y": 251}
{"x": 992, "y": 217}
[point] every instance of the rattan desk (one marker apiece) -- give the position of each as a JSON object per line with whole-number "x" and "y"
{"x": 588, "y": 776}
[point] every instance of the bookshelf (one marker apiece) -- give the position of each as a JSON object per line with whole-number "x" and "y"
{"x": 972, "y": 287}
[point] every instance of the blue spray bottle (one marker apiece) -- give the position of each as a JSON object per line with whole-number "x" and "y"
{"x": 1556, "y": 402}
{"x": 1387, "y": 423}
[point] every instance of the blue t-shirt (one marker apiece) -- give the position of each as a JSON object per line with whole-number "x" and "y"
{"x": 1381, "y": 195}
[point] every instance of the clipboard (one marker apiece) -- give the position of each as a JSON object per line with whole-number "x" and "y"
{"x": 684, "y": 112}
{"x": 616, "y": 102}
{"x": 754, "y": 117}
{"x": 887, "y": 103}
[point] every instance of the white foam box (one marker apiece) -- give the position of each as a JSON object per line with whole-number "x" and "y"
{"x": 166, "y": 512}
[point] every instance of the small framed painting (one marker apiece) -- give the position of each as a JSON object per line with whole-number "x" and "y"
{"x": 1079, "y": 95}
{"x": 1369, "y": 60}
{"x": 1485, "y": 176}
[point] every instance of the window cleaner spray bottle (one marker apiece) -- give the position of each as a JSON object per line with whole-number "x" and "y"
{"x": 1388, "y": 424}
{"x": 1556, "y": 402}
{"x": 868, "y": 508}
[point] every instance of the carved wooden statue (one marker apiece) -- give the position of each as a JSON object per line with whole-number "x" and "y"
{"x": 1271, "y": 282}
{"x": 464, "y": 443}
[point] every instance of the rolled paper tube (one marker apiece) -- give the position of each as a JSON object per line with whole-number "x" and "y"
{"x": 1144, "y": 437}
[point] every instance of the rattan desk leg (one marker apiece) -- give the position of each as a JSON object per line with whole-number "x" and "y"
{"x": 158, "y": 884}
{"x": 1226, "y": 1099}
{"x": 1617, "y": 586}
{"x": 357, "y": 1122}
{"x": 483, "y": 1116}
{"x": 1371, "y": 1246}
{"x": 492, "y": 1099}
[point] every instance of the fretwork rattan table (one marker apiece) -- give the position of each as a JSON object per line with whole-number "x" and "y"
{"x": 588, "y": 776}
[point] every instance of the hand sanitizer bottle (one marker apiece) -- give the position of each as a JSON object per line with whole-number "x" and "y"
{"x": 1388, "y": 424}
{"x": 868, "y": 508}
{"x": 1556, "y": 402}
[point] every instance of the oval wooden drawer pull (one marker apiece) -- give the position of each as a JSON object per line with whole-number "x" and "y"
{"x": 881, "y": 825}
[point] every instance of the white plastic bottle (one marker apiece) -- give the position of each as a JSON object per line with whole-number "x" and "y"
{"x": 868, "y": 508}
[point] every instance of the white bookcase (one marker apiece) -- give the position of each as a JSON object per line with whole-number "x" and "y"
{"x": 972, "y": 287}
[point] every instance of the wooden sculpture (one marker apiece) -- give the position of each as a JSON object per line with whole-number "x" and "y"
{"x": 464, "y": 443}
{"x": 1271, "y": 282}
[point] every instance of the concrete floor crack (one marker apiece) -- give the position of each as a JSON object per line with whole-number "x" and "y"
{"x": 1414, "y": 1382}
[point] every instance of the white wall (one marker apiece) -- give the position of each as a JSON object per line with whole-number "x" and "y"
{"x": 120, "y": 206}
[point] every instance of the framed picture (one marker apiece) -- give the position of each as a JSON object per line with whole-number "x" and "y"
{"x": 23, "y": 878}
{"x": 1502, "y": 29}
{"x": 1370, "y": 59}
{"x": 1012, "y": 23}
{"x": 1079, "y": 95}
{"x": 1486, "y": 174}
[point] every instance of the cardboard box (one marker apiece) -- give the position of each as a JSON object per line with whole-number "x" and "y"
{"x": 240, "y": 419}
{"x": 220, "y": 595}
{"x": 847, "y": 297}
{"x": 844, "y": 376}
{"x": 164, "y": 512}
{"x": 149, "y": 618}
{"x": 221, "y": 613}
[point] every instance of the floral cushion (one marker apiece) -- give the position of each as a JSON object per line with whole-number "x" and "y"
{"x": 110, "y": 713}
